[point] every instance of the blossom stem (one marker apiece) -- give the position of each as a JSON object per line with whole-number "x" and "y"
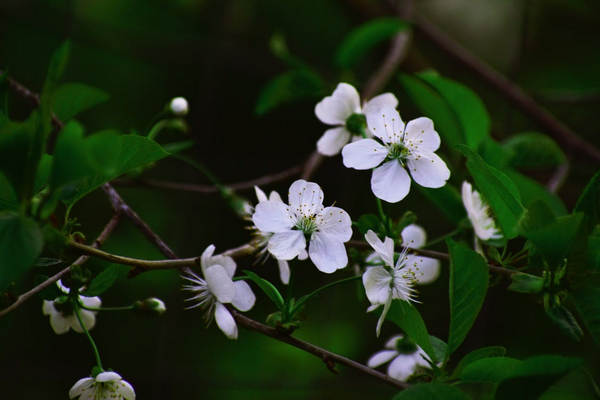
{"x": 442, "y": 238}
{"x": 307, "y": 297}
{"x": 76, "y": 307}
{"x": 380, "y": 210}
{"x": 122, "y": 308}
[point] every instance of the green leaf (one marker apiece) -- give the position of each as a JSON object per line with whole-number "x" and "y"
{"x": 71, "y": 99}
{"x": 468, "y": 107}
{"x": 431, "y": 391}
{"x": 576, "y": 385}
{"x": 567, "y": 323}
{"x": 489, "y": 369}
{"x": 372, "y": 222}
{"x": 21, "y": 242}
{"x": 589, "y": 203}
{"x": 495, "y": 154}
{"x": 8, "y": 197}
{"x": 593, "y": 250}
{"x": 177, "y": 147}
{"x": 268, "y": 288}
{"x": 105, "y": 279}
{"x": 484, "y": 352}
{"x": 468, "y": 287}
{"x": 498, "y": 190}
{"x": 439, "y": 349}
{"x": 408, "y": 318}
{"x": 587, "y": 301}
{"x": 435, "y": 107}
{"x": 526, "y": 283}
{"x": 555, "y": 239}
{"x": 533, "y": 150}
{"x": 290, "y": 86}
{"x": 532, "y": 191}
{"x": 359, "y": 41}
{"x": 447, "y": 199}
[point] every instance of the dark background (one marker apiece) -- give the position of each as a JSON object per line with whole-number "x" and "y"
{"x": 216, "y": 54}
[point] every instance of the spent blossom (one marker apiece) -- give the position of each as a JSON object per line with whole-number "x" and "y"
{"x": 401, "y": 147}
{"x": 305, "y": 218}
{"x": 215, "y": 288}
{"x": 61, "y": 313}
{"x": 479, "y": 214}
{"x": 404, "y": 356}
{"x": 343, "y": 110}
{"x": 106, "y": 385}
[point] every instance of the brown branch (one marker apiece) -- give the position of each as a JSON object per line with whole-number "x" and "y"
{"x": 561, "y": 132}
{"x": 325, "y": 355}
{"x": 312, "y": 164}
{"x": 108, "y": 229}
{"x": 206, "y": 189}
{"x": 558, "y": 178}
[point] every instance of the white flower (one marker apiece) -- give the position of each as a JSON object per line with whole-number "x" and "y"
{"x": 405, "y": 357}
{"x": 343, "y": 110}
{"x": 391, "y": 281}
{"x": 217, "y": 288}
{"x": 327, "y": 228}
{"x": 261, "y": 239}
{"x": 411, "y": 146}
{"x": 479, "y": 214}
{"x": 62, "y": 317}
{"x": 179, "y": 106}
{"x": 105, "y": 386}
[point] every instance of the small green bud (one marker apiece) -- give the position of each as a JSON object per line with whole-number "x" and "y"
{"x": 356, "y": 124}
{"x": 179, "y": 106}
{"x": 526, "y": 283}
{"x": 151, "y": 304}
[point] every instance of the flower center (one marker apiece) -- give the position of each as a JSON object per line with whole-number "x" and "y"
{"x": 63, "y": 305}
{"x": 406, "y": 346}
{"x": 356, "y": 124}
{"x": 397, "y": 151}
{"x": 307, "y": 225}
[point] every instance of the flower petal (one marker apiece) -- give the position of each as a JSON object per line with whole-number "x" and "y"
{"x": 59, "y": 323}
{"x": 424, "y": 269}
{"x": 393, "y": 341}
{"x": 413, "y": 236}
{"x": 376, "y": 281}
{"x": 335, "y": 109}
{"x": 244, "y": 298}
{"x": 333, "y": 140}
{"x": 287, "y": 245}
{"x": 305, "y": 198}
{"x": 384, "y": 249}
{"x": 274, "y": 196}
{"x": 429, "y": 170}
{"x": 219, "y": 283}
{"x": 363, "y": 154}
{"x": 48, "y": 307}
{"x": 92, "y": 302}
{"x": 377, "y": 102}
{"x": 225, "y": 321}
{"x": 126, "y": 390}
{"x": 284, "y": 271}
{"x": 272, "y": 216}
{"x": 335, "y": 222}
{"x": 402, "y": 367}
{"x": 108, "y": 376}
{"x": 226, "y": 262}
{"x": 390, "y": 182}
{"x": 206, "y": 256}
{"x": 327, "y": 252}
{"x": 260, "y": 195}
{"x": 381, "y": 357}
{"x": 386, "y": 124}
{"x": 87, "y": 317}
{"x": 421, "y": 136}
{"x": 80, "y": 386}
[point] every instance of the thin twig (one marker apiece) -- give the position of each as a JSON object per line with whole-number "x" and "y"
{"x": 558, "y": 177}
{"x": 110, "y": 226}
{"x": 327, "y": 356}
{"x": 394, "y": 57}
{"x": 508, "y": 89}
{"x": 312, "y": 164}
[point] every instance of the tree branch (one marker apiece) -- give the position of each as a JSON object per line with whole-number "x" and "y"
{"x": 327, "y": 356}
{"x": 108, "y": 229}
{"x": 558, "y": 177}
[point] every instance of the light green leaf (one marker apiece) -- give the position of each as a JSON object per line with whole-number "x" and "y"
{"x": 431, "y": 391}
{"x": 21, "y": 242}
{"x": 498, "y": 190}
{"x": 290, "y": 86}
{"x": 468, "y": 287}
{"x": 447, "y": 199}
{"x": 439, "y": 348}
{"x": 71, "y": 99}
{"x": 268, "y": 288}
{"x": 484, "y": 352}
{"x": 589, "y": 203}
{"x": 533, "y": 150}
{"x": 467, "y": 106}
{"x": 106, "y": 279}
{"x": 526, "y": 283}
{"x": 358, "y": 42}
{"x": 408, "y": 318}
{"x": 435, "y": 107}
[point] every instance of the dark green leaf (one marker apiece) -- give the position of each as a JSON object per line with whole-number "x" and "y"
{"x": 532, "y": 191}
{"x": 16, "y": 142}
{"x": 290, "y": 86}
{"x": 358, "y": 42}
{"x": 589, "y": 203}
{"x": 50, "y": 292}
{"x": 498, "y": 190}
{"x": 587, "y": 301}
{"x": 268, "y": 288}
{"x": 105, "y": 279}
{"x": 47, "y": 262}
{"x": 21, "y": 242}
{"x": 526, "y": 283}
{"x": 407, "y": 318}
{"x": 8, "y": 197}
{"x": 439, "y": 348}
{"x": 533, "y": 150}
{"x": 490, "y": 369}
{"x": 368, "y": 222}
{"x": 495, "y": 154}
{"x": 447, "y": 200}
{"x": 593, "y": 250}
{"x": 431, "y": 391}
{"x": 435, "y": 107}
{"x": 72, "y": 98}
{"x": 567, "y": 323}
{"x": 177, "y": 147}
{"x": 577, "y": 385}
{"x": 467, "y": 106}
{"x": 468, "y": 287}
{"x": 484, "y": 352}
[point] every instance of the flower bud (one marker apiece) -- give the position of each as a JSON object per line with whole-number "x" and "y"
{"x": 179, "y": 106}
{"x": 151, "y": 304}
